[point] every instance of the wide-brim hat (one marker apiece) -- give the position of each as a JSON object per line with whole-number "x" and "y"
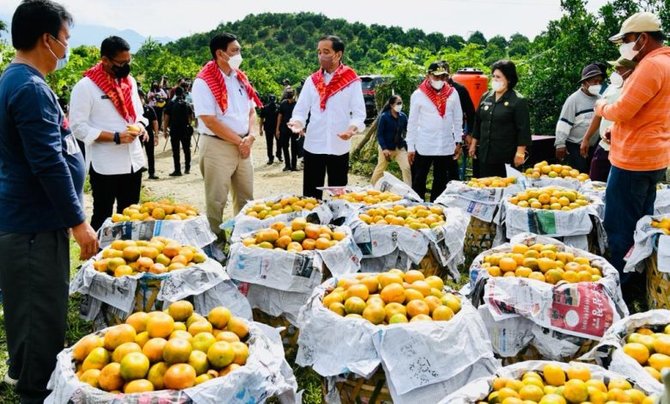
{"x": 636, "y": 23}
{"x": 590, "y": 71}
{"x": 622, "y": 62}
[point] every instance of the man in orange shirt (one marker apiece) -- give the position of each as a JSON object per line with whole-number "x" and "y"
{"x": 640, "y": 137}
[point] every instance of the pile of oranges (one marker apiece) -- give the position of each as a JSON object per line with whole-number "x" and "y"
{"x": 369, "y": 197}
{"x": 415, "y": 217}
{"x": 650, "y": 349}
{"x": 542, "y": 262}
{"x": 663, "y": 224}
{"x": 158, "y": 255}
{"x": 296, "y": 236}
{"x": 283, "y": 206}
{"x": 393, "y": 297}
{"x": 491, "y": 182}
{"x": 555, "y": 171}
{"x": 172, "y": 349}
{"x": 161, "y": 210}
{"x": 549, "y": 198}
{"x": 553, "y": 385}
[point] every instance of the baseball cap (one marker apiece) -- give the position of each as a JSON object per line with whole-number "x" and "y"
{"x": 438, "y": 69}
{"x": 638, "y": 22}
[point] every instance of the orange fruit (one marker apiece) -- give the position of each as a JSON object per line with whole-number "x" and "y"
{"x": 241, "y": 351}
{"x": 238, "y": 326}
{"x": 142, "y": 338}
{"x": 433, "y": 302}
{"x": 637, "y": 351}
{"x": 413, "y": 275}
{"x": 181, "y": 334}
{"x": 200, "y": 326}
{"x": 225, "y": 371}
{"x": 388, "y": 278}
{"x": 180, "y": 310}
{"x": 98, "y": 358}
{"x": 421, "y": 286}
{"x": 393, "y": 292}
{"x": 160, "y": 325}
{"x": 220, "y": 354}
{"x": 138, "y": 386}
{"x": 662, "y": 344}
{"x": 416, "y": 307}
{"x": 421, "y": 317}
{"x": 177, "y": 350}
{"x": 119, "y": 334}
{"x": 374, "y": 314}
{"x": 85, "y": 345}
{"x": 354, "y": 305}
{"x": 659, "y": 361}
{"x": 198, "y": 360}
{"x": 554, "y": 374}
{"x": 153, "y": 349}
{"x": 110, "y": 377}
{"x": 435, "y": 282}
{"x": 413, "y": 294}
{"x": 202, "y": 341}
{"x": 124, "y": 349}
{"x": 134, "y": 366}
{"x": 138, "y": 321}
{"x": 442, "y": 313}
{"x": 358, "y": 290}
{"x": 507, "y": 264}
{"x": 219, "y": 317}
{"x": 91, "y": 377}
{"x": 156, "y": 373}
{"x": 322, "y": 243}
{"x": 394, "y": 308}
{"x": 227, "y": 336}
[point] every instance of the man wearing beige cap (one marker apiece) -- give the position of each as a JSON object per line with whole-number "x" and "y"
{"x": 640, "y": 137}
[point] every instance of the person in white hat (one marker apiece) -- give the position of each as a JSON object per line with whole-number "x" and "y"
{"x": 640, "y": 137}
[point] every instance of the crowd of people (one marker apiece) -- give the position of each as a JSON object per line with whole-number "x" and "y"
{"x": 46, "y": 154}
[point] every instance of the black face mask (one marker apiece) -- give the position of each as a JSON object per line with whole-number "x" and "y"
{"x": 121, "y": 72}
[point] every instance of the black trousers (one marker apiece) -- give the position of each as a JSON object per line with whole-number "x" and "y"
{"x": 492, "y": 170}
{"x": 445, "y": 169}
{"x": 34, "y": 277}
{"x": 122, "y": 188}
{"x": 269, "y": 142}
{"x": 286, "y": 138}
{"x": 149, "y": 148}
{"x": 178, "y": 138}
{"x": 316, "y": 168}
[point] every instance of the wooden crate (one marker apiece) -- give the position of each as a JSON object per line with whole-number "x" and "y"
{"x": 478, "y": 237}
{"x": 357, "y": 390}
{"x": 658, "y": 285}
{"x": 146, "y": 300}
{"x": 289, "y": 335}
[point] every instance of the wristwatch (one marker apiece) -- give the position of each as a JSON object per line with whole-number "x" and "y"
{"x": 117, "y": 138}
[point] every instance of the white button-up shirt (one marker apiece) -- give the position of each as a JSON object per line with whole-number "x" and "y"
{"x": 236, "y": 116}
{"x": 343, "y": 109}
{"x": 91, "y": 112}
{"x": 428, "y": 133}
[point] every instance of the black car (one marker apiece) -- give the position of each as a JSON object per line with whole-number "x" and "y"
{"x": 369, "y": 83}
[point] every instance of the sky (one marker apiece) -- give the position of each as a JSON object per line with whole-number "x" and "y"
{"x": 179, "y": 18}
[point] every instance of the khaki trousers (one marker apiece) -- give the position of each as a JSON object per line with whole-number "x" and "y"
{"x": 224, "y": 170}
{"x": 400, "y": 156}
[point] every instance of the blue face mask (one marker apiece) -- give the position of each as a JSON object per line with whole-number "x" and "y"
{"x": 61, "y": 62}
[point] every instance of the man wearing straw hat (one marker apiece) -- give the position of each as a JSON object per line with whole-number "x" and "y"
{"x": 640, "y": 139}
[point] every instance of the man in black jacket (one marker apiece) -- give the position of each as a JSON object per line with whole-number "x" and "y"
{"x": 468, "y": 113}
{"x": 177, "y": 117}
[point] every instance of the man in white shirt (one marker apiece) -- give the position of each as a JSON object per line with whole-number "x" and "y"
{"x": 223, "y": 100}
{"x": 434, "y": 132}
{"x": 102, "y": 106}
{"x": 333, "y": 98}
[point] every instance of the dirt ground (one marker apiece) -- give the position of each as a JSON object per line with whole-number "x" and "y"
{"x": 268, "y": 179}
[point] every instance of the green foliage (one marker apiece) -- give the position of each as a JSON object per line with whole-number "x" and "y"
{"x": 154, "y": 60}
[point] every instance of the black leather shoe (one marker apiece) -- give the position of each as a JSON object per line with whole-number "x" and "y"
{"x": 175, "y": 174}
{"x": 153, "y": 177}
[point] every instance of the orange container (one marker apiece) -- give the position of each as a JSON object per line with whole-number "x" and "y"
{"x": 475, "y": 81}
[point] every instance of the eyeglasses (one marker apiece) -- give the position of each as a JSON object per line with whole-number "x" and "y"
{"x": 59, "y": 42}
{"x": 120, "y": 64}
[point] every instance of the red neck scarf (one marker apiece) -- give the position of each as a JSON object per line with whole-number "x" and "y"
{"x": 211, "y": 74}
{"x": 118, "y": 91}
{"x": 343, "y": 76}
{"x": 438, "y": 98}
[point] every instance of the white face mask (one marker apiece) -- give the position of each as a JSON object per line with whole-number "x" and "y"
{"x": 437, "y": 84}
{"x": 496, "y": 85}
{"x": 235, "y": 61}
{"x": 594, "y": 89}
{"x": 616, "y": 79}
{"x": 626, "y": 50}
{"x": 397, "y": 107}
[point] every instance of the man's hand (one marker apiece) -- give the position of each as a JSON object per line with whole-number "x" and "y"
{"x": 561, "y": 152}
{"x": 347, "y": 134}
{"x": 468, "y": 140}
{"x": 601, "y": 102}
{"x": 410, "y": 157}
{"x": 295, "y": 126}
{"x": 472, "y": 150}
{"x": 85, "y": 236}
{"x": 457, "y": 152}
{"x": 584, "y": 148}
{"x": 155, "y": 140}
{"x": 277, "y": 134}
{"x": 519, "y": 159}
{"x": 245, "y": 146}
{"x": 127, "y": 137}
{"x": 608, "y": 135}
{"x": 387, "y": 154}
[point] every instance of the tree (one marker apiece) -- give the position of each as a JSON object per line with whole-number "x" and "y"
{"x": 455, "y": 42}
{"x": 3, "y": 26}
{"x": 498, "y": 41}
{"x": 477, "y": 38}
{"x": 518, "y": 45}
